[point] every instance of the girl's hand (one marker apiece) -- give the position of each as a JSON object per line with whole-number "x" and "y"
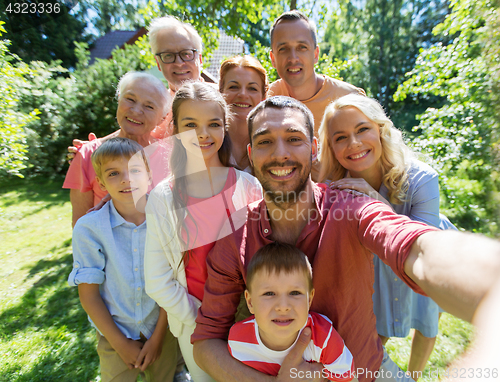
{"x": 150, "y": 352}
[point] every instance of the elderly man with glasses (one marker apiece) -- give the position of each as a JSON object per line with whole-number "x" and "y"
{"x": 178, "y": 50}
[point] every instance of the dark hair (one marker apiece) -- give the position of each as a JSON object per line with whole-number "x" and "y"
{"x": 243, "y": 62}
{"x": 279, "y": 257}
{"x": 200, "y": 92}
{"x": 281, "y": 102}
{"x": 295, "y": 15}
{"x": 116, "y": 148}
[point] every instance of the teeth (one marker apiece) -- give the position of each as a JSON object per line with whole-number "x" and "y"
{"x": 205, "y": 145}
{"x": 133, "y": 120}
{"x": 280, "y": 172}
{"x": 294, "y": 70}
{"x": 360, "y": 155}
{"x": 241, "y": 105}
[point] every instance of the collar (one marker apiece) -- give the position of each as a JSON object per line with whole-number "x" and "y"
{"x": 318, "y": 193}
{"x": 116, "y": 219}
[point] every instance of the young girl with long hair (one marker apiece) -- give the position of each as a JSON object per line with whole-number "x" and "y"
{"x": 361, "y": 150}
{"x": 203, "y": 200}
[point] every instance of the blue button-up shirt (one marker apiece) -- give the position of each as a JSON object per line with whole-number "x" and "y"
{"x": 109, "y": 251}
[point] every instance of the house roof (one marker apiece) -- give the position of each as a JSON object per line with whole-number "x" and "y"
{"x": 104, "y": 45}
{"x": 228, "y": 46}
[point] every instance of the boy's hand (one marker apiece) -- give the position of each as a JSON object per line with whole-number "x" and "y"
{"x": 150, "y": 352}
{"x": 129, "y": 351}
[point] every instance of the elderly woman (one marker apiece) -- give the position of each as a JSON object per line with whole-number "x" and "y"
{"x": 143, "y": 103}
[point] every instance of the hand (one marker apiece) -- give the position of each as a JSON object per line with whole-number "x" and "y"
{"x": 99, "y": 205}
{"x": 295, "y": 368}
{"x": 77, "y": 144}
{"x": 150, "y": 352}
{"x": 356, "y": 184}
{"x": 129, "y": 352}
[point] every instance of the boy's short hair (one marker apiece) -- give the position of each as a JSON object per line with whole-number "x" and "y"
{"x": 116, "y": 148}
{"x": 279, "y": 257}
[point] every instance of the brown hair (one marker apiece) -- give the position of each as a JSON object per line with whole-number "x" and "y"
{"x": 279, "y": 257}
{"x": 116, "y": 148}
{"x": 295, "y": 15}
{"x": 243, "y": 62}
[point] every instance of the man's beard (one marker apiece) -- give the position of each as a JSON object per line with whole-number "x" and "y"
{"x": 284, "y": 199}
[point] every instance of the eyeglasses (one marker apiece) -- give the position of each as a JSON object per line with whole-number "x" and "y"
{"x": 169, "y": 57}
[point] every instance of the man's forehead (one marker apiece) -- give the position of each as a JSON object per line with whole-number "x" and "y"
{"x": 276, "y": 119}
{"x": 179, "y": 38}
{"x": 292, "y": 30}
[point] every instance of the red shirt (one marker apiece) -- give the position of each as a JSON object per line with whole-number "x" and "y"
{"x": 338, "y": 240}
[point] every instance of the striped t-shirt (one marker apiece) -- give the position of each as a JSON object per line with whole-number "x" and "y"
{"x": 326, "y": 347}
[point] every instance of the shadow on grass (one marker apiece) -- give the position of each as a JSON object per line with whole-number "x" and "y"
{"x": 52, "y": 307}
{"x": 50, "y": 192}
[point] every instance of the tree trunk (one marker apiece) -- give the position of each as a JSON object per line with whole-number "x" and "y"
{"x": 293, "y": 4}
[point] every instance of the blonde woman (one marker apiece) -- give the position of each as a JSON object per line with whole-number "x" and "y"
{"x": 361, "y": 150}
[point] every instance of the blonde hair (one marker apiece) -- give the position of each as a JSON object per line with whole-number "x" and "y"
{"x": 169, "y": 23}
{"x": 116, "y": 148}
{"x": 396, "y": 155}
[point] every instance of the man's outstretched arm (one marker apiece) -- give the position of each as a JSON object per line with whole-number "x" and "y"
{"x": 455, "y": 269}
{"x": 213, "y": 356}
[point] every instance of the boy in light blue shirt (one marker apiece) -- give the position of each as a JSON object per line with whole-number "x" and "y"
{"x": 108, "y": 253}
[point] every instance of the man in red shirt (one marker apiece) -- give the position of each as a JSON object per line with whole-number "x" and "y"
{"x": 338, "y": 232}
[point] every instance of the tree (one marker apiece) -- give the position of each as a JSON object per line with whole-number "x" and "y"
{"x": 382, "y": 39}
{"x": 42, "y": 36}
{"x": 13, "y": 146}
{"x": 461, "y": 135}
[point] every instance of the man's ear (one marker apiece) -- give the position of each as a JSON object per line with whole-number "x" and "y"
{"x": 314, "y": 149}
{"x": 157, "y": 59}
{"x": 249, "y": 301}
{"x": 271, "y": 56}
{"x": 101, "y": 184}
{"x": 249, "y": 153}
{"x": 316, "y": 54}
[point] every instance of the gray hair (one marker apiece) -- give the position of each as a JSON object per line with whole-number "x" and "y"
{"x": 155, "y": 82}
{"x": 169, "y": 23}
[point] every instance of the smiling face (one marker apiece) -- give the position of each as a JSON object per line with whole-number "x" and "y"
{"x": 140, "y": 109}
{"x": 280, "y": 303}
{"x": 175, "y": 40}
{"x": 293, "y": 53}
{"x": 282, "y": 153}
{"x": 125, "y": 179}
{"x": 206, "y": 119}
{"x": 242, "y": 90}
{"x": 355, "y": 142}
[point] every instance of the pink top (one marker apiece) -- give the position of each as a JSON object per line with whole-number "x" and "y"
{"x": 81, "y": 175}
{"x": 206, "y": 218}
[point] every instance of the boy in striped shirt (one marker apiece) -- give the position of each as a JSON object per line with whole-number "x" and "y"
{"x": 279, "y": 293}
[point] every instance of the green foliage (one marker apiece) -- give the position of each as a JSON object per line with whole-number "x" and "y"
{"x": 459, "y": 135}
{"x": 71, "y": 105}
{"x": 43, "y": 36}
{"x": 384, "y": 38}
{"x": 13, "y": 145}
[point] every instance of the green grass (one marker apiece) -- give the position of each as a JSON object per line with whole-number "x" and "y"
{"x": 44, "y": 332}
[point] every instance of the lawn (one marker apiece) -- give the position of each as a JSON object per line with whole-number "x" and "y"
{"x": 44, "y": 332}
